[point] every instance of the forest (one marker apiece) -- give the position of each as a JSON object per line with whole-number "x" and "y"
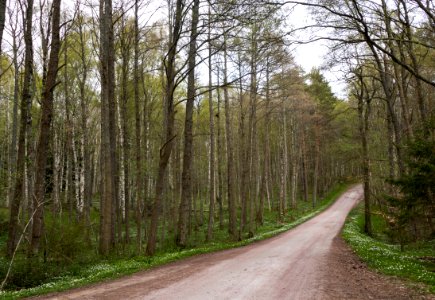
{"x": 137, "y": 128}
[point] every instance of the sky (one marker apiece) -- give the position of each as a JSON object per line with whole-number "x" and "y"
{"x": 312, "y": 55}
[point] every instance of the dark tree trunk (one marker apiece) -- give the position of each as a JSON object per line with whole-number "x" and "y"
{"x": 252, "y": 133}
{"x": 2, "y": 21}
{"x": 45, "y": 131}
{"x": 231, "y": 178}
{"x": 186, "y": 176}
{"x": 316, "y": 163}
{"x": 212, "y": 193}
{"x": 168, "y": 125}
{"x": 266, "y": 152}
{"x": 26, "y": 99}
{"x": 304, "y": 167}
{"x": 139, "y": 174}
{"x": 13, "y": 146}
{"x": 243, "y": 155}
{"x": 219, "y": 197}
{"x": 108, "y": 123}
{"x": 363, "y": 115}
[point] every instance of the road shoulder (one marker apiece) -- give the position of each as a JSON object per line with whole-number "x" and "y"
{"x": 347, "y": 277}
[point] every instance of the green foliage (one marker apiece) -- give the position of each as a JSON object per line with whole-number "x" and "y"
{"x": 64, "y": 241}
{"x": 64, "y": 252}
{"x": 4, "y": 220}
{"x": 320, "y": 90}
{"x": 413, "y": 264}
{"x": 416, "y": 202}
{"x": 346, "y": 144}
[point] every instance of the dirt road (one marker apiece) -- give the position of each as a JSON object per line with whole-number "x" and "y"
{"x": 303, "y": 263}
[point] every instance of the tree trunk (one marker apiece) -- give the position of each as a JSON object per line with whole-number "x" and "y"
{"x": 230, "y": 156}
{"x": 212, "y": 137}
{"x": 416, "y": 67}
{"x": 295, "y": 166}
{"x": 363, "y": 114}
{"x": 390, "y": 139}
{"x": 220, "y": 151}
{"x": 145, "y": 182}
{"x": 284, "y": 164}
{"x": 2, "y": 21}
{"x": 243, "y": 155}
{"x": 389, "y": 97}
{"x": 77, "y": 176}
{"x": 401, "y": 85}
{"x": 186, "y": 176}
{"x": 26, "y": 99}
{"x": 108, "y": 152}
{"x": 266, "y": 152}
{"x": 138, "y": 196}
{"x": 87, "y": 164}
{"x": 45, "y": 131}
{"x": 316, "y": 163}
{"x": 387, "y": 86}
{"x": 252, "y": 133}
{"x": 168, "y": 125}
{"x": 304, "y": 167}
{"x": 71, "y": 161}
{"x": 125, "y": 53}
{"x": 57, "y": 160}
{"x": 13, "y": 147}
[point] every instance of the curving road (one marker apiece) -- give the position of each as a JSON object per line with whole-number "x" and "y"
{"x": 292, "y": 265}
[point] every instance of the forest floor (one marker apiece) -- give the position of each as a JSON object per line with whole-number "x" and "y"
{"x": 307, "y": 262}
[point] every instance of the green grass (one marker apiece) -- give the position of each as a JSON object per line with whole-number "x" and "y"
{"x": 85, "y": 272}
{"x": 387, "y": 258}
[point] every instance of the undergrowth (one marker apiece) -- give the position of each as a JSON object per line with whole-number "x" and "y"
{"x": 416, "y": 263}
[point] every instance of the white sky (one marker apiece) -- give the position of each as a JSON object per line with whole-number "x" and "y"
{"x": 313, "y": 54}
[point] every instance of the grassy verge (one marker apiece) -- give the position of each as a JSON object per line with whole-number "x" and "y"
{"x": 116, "y": 266}
{"x": 411, "y": 264}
